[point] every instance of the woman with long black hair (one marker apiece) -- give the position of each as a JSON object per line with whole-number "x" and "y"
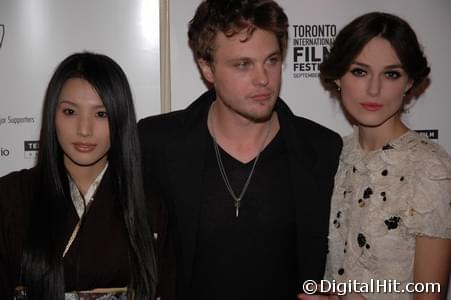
{"x": 76, "y": 224}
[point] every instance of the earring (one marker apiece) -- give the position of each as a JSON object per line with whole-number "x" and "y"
{"x": 407, "y": 106}
{"x": 338, "y": 89}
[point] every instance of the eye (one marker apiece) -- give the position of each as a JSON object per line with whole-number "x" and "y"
{"x": 68, "y": 111}
{"x": 242, "y": 64}
{"x": 358, "y": 72}
{"x": 102, "y": 114}
{"x": 392, "y": 74}
{"x": 274, "y": 60}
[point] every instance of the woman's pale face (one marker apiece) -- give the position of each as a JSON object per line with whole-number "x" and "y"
{"x": 82, "y": 126}
{"x": 373, "y": 88}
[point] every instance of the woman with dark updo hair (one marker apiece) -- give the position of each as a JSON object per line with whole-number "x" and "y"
{"x": 390, "y": 211}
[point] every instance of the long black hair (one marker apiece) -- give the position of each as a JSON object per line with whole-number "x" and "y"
{"x": 42, "y": 263}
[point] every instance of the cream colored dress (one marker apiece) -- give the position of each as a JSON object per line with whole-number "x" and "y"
{"x": 382, "y": 200}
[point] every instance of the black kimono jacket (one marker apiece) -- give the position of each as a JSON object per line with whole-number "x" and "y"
{"x": 98, "y": 257}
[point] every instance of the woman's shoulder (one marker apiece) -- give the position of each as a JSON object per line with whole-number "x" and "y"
{"x": 429, "y": 157}
{"x": 16, "y": 187}
{"x": 16, "y": 178}
{"x": 429, "y": 206}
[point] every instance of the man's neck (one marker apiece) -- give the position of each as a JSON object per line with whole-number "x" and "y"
{"x": 240, "y": 137}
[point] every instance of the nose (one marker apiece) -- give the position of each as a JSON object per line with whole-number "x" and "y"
{"x": 85, "y": 126}
{"x": 260, "y": 76}
{"x": 374, "y": 86}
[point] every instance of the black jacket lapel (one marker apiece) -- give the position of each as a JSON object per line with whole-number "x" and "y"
{"x": 302, "y": 161}
{"x": 186, "y": 172}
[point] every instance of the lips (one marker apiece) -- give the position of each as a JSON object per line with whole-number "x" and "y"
{"x": 261, "y": 97}
{"x": 371, "y": 106}
{"x": 84, "y": 147}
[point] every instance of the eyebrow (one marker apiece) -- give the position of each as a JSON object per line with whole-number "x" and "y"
{"x": 278, "y": 53}
{"x": 76, "y": 105}
{"x": 394, "y": 66}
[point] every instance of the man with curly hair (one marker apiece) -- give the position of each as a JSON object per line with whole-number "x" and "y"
{"x": 243, "y": 184}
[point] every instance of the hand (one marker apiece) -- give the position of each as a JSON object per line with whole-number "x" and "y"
{"x": 311, "y": 286}
{"x": 352, "y": 296}
{"x": 303, "y": 296}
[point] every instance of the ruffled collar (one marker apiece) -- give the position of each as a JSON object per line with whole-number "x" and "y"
{"x": 392, "y": 153}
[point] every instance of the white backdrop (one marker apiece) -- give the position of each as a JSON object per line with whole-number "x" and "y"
{"x": 430, "y": 19}
{"x": 37, "y": 35}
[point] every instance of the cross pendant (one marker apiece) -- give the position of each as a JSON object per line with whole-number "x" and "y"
{"x": 237, "y": 208}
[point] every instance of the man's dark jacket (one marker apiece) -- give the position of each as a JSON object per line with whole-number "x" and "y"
{"x": 173, "y": 147}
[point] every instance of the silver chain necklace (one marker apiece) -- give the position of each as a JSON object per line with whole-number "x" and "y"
{"x": 237, "y": 199}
